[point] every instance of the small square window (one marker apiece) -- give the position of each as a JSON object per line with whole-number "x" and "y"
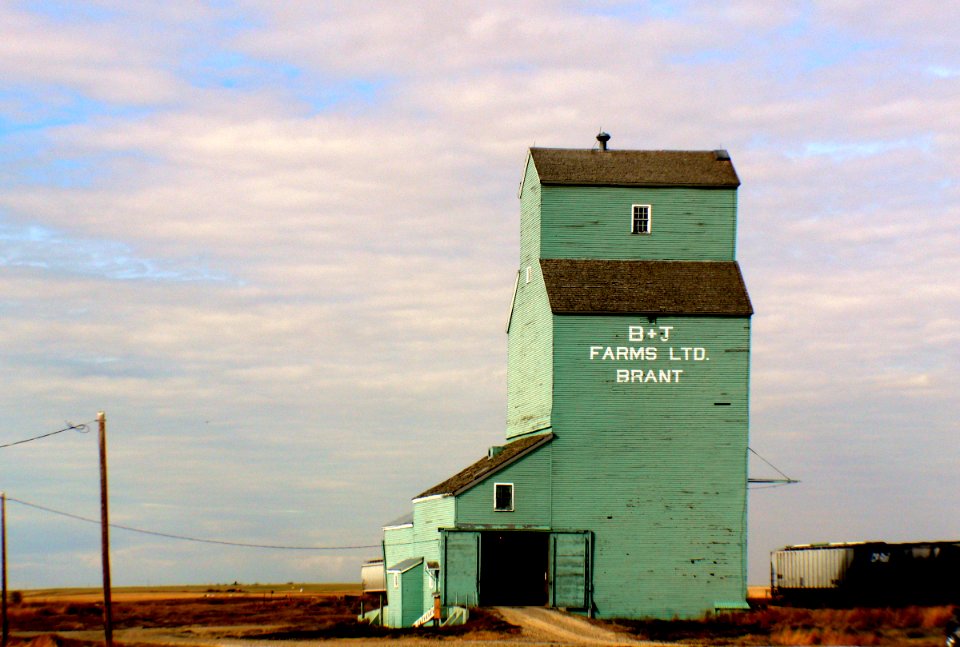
{"x": 642, "y": 219}
{"x": 503, "y": 497}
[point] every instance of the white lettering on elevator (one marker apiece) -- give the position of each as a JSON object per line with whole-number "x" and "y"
{"x": 650, "y": 344}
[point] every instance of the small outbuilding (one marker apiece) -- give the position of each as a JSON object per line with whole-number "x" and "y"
{"x": 405, "y": 592}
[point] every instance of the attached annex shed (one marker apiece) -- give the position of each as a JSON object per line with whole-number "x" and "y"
{"x": 621, "y": 490}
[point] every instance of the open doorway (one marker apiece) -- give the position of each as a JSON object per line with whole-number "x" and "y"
{"x": 513, "y": 568}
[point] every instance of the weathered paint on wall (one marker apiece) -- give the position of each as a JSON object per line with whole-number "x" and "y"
{"x": 530, "y": 339}
{"x": 529, "y": 348}
{"x": 461, "y": 568}
{"x": 569, "y": 570}
{"x": 661, "y": 463}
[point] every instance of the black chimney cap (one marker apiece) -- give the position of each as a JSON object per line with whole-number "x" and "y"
{"x": 603, "y": 138}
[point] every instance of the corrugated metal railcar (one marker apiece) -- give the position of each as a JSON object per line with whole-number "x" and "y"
{"x": 867, "y": 574}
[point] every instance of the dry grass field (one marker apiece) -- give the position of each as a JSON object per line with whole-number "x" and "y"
{"x": 907, "y": 626}
{"x": 300, "y": 614}
{"x": 210, "y": 615}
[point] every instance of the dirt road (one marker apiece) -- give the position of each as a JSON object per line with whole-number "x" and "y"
{"x": 557, "y": 628}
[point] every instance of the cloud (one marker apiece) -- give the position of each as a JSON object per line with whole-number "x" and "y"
{"x": 276, "y": 243}
{"x": 96, "y": 58}
{"x": 39, "y": 247}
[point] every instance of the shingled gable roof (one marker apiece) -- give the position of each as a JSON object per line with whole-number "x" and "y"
{"x": 467, "y": 478}
{"x": 405, "y": 565}
{"x": 646, "y": 287}
{"x": 709, "y": 169}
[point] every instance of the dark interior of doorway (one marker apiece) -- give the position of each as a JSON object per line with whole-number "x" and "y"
{"x": 513, "y": 568}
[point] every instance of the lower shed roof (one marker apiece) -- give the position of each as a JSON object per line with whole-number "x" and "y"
{"x": 487, "y": 466}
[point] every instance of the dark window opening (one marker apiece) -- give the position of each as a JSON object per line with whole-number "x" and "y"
{"x": 513, "y": 568}
{"x": 503, "y": 497}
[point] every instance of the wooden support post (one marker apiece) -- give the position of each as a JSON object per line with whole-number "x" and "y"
{"x": 105, "y": 534}
{"x": 3, "y": 550}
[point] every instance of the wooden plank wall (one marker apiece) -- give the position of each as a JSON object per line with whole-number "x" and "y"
{"x": 656, "y": 469}
{"x": 594, "y": 222}
{"x": 532, "y": 495}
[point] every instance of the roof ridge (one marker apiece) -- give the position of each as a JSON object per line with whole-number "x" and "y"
{"x": 589, "y": 167}
{"x": 626, "y": 150}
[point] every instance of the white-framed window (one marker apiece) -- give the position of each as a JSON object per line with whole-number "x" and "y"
{"x": 503, "y": 497}
{"x": 529, "y": 273}
{"x": 396, "y": 580}
{"x": 642, "y": 219}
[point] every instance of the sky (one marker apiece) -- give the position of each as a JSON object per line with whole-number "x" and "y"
{"x": 276, "y": 244}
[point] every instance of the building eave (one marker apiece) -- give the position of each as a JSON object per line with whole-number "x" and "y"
{"x": 481, "y": 470}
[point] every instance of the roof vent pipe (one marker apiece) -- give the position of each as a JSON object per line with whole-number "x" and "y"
{"x": 603, "y": 138}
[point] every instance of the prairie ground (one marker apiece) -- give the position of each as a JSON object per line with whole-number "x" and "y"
{"x": 295, "y": 615}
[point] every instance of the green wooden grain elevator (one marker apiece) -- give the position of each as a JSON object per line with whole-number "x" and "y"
{"x": 621, "y": 490}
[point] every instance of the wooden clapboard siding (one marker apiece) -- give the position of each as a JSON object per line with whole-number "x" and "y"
{"x": 530, "y": 190}
{"x": 531, "y": 495}
{"x": 594, "y": 222}
{"x": 656, "y": 470}
{"x": 421, "y": 539}
{"x": 461, "y": 568}
{"x": 405, "y": 598}
{"x": 397, "y": 545}
{"x": 529, "y": 374}
{"x": 529, "y": 387}
{"x": 429, "y": 515}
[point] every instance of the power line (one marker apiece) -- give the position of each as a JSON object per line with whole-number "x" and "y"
{"x": 184, "y": 537}
{"x": 786, "y": 480}
{"x": 81, "y": 428}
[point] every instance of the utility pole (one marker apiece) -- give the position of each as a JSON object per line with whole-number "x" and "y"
{"x": 3, "y": 550}
{"x": 105, "y": 534}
